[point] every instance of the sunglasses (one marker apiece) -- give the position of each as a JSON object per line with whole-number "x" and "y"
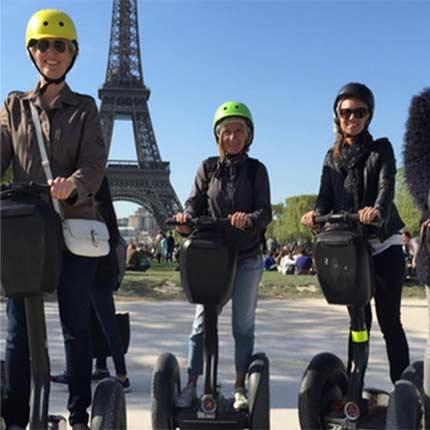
{"x": 43, "y": 45}
{"x": 359, "y": 113}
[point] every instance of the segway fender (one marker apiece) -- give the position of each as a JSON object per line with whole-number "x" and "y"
{"x": 108, "y": 410}
{"x": 258, "y": 392}
{"x": 405, "y": 409}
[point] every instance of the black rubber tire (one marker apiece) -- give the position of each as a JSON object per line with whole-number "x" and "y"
{"x": 259, "y": 392}
{"x": 108, "y": 410}
{"x": 405, "y": 408}
{"x": 324, "y": 380}
{"x": 166, "y": 386}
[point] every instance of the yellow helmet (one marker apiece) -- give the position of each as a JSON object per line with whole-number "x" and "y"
{"x": 50, "y": 23}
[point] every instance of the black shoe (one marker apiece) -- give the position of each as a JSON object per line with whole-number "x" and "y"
{"x": 59, "y": 379}
{"x": 100, "y": 374}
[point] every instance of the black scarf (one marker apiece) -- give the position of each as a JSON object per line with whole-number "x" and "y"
{"x": 350, "y": 163}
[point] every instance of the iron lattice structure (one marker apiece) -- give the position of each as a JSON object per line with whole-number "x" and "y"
{"x": 125, "y": 96}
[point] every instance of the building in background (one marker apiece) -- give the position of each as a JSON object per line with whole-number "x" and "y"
{"x": 140, "y": 227}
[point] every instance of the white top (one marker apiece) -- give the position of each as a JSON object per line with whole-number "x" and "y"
{"x": 378, "y": 247}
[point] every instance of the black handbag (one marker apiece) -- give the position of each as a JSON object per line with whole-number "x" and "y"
{"x": 31, "y": 242}
{"x": 100, "y": 345}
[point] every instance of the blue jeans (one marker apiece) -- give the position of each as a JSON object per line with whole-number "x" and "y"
{"x": 104, "y": 307}
{"x": 244, "y": 304}
{"x": 76, "y": 279}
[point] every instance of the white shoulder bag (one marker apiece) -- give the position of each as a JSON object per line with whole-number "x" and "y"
{"x": 84, "y": 237}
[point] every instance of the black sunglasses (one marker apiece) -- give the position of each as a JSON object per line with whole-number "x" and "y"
{"x": 359, "y": 113}
{"x": 43, "y": 45}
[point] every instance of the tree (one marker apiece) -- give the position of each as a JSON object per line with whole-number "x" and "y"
{"x": 8, "y": 175}
{"x": 286, "y": 226}
{"x": 406, "y": 205}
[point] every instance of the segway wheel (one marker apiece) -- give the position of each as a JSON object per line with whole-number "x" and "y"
{"x": 405, "y": 408}
{"x": 108, "y": 409}
{"x": 166, "y": 386}
{"x": 259, "y": 392}
{"x": 323, "y": 387}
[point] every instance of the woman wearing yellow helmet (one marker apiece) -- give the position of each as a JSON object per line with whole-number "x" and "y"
{"x": 52, "y": 44}
{"x": 236, "y": 186}
{"x": 75, "y": 146}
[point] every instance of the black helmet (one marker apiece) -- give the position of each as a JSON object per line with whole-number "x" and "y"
{"x": 358, "y": 91}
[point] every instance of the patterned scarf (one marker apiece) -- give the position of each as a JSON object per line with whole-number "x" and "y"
{"x": 351, "y": 165}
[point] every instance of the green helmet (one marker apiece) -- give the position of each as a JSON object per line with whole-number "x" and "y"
{"x": 232, "y": 109}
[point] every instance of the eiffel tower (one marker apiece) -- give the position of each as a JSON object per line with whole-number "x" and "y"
{"x": 124, "y": 96}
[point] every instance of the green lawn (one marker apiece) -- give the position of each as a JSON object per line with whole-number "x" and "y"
{"x": 161, "y": 282}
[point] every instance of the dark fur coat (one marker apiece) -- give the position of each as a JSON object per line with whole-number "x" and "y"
{"x": 417, "y": 167}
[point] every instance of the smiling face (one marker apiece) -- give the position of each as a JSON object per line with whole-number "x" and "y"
{"x": 350, "y": 123}
{"x": 51, "y": 62}
{"x": 233, "y": 138}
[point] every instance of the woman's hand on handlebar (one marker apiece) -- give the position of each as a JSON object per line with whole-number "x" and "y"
{"x": 308, "y": 219}
{"x": 240, "y": 220}
{"x": 368, "y": 214}
{"x": 61, "y": 188}
{"x": 182, "y": 218}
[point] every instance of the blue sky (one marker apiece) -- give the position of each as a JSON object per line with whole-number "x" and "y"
{"x": 286, "y": 60}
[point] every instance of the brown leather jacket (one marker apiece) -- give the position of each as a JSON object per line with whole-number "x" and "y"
{"x": 73, "y": 139}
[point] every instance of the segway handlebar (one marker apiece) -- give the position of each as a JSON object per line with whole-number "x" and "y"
{"x": 201, "y": 221}
{"x": 25, "y": 187}
{"x": 345, "y": 217}
{"x": 341, "y": 217}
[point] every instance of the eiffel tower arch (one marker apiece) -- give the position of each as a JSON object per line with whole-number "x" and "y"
{"x": 144, "y": 181}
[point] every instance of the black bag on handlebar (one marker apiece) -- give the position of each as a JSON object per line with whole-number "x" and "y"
{"x": 344, "y": 267}
{"x": 208, "y": 267}
{"x": 31, "y": 244}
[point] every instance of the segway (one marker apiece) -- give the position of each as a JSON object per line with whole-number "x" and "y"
{"x": 207, "y": 269}
{"x": 31, "y": 244}
{"x": 331, "y": 397}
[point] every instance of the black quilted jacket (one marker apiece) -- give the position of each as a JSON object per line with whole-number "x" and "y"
{"x": 379, "y": 172}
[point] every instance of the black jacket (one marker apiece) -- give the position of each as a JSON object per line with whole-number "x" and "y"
{"x": 228, "y": 189}
{"x": 378, "y": 176}
{"x": 108, "y": 266}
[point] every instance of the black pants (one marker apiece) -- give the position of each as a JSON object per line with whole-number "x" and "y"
{"x": 389, "y": 277}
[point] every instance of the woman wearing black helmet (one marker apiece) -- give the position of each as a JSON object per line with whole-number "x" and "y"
{"x": 417, "y": 174}
{"x": 359, "y": 176}
{"x": 74, "y": 142}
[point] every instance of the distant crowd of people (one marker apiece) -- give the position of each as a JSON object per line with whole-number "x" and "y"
{"x": 294, "y": 258}
{"x": 139, "y": 256}
{"x": 289, "y": 259}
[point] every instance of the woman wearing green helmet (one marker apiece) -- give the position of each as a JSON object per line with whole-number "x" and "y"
{"x": 236, "y": 186}
{"x": 75, "y": 146}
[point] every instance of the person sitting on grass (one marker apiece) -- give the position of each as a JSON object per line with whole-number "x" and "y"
{"x": 269, "y": 262}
